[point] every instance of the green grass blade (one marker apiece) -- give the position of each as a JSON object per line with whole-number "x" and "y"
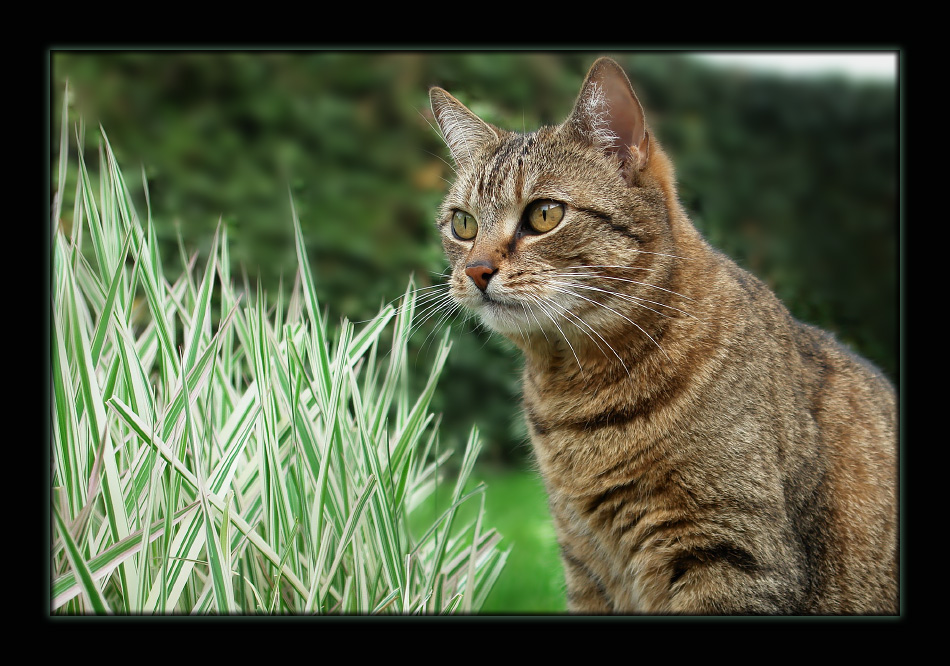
{"x": 202, "y": 311}
{"x": 88, "y": 586}
{"x": 324, "y": 376}
{"x": 95, "y": 412}
{"x": 268, "y": 466}
{"x": 107, "y": 311}
{"x": 66, "y": 453}
{"x": 63, "y": 159}
{"x": 130, "y": 418}
{"x": 66, "y": 587}
{"x": 220, "y": 574}
{"x": 352, "y": 523}
{"x": 368, "y": 335}
{"x": 93, "y": 221}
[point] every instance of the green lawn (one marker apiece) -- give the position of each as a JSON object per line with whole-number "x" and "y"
{"x": 532, "y": 581}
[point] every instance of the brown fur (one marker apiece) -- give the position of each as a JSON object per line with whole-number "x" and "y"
{"x": 703, "y": 451}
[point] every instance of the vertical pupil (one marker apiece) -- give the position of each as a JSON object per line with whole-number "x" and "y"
{"x": 461, "y": 223}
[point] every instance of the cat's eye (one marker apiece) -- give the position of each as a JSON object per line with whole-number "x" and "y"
{"x": 544, "y": 215}
{"x": 464, "y": 225}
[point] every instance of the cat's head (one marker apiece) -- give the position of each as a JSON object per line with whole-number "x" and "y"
{"x": 561, "y": 230}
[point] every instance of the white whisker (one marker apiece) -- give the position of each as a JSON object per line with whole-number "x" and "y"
{"x": 611, "y": 277}
{"x": 438, "y": 157}
{"x": 538, "y": 301}
{"x": 427, "y": 303}
{"x": 635, "y": 300}
{"x": 439, "y": 132}
{"x": 630, "y": 268}
{"x": 434, "y": 306}
{"x": 589, "y": 328}
{"x": 606, "y": 307}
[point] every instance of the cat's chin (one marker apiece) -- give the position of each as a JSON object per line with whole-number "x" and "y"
{"x": 509, "y": 319}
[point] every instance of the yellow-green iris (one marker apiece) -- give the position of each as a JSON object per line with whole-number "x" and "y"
{"x": 464, "y": 225}
{"x": 545, "y": 215}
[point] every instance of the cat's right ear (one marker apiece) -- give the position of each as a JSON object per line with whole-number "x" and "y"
{"x": 463, "y": 131}
{"x": 608, "y": 114}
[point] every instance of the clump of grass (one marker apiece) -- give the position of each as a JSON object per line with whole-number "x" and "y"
{"x": 215, "y": 455}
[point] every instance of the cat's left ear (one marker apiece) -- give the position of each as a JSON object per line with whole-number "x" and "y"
{"x": 608, "y": 114}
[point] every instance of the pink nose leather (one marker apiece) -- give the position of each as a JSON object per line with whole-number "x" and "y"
{"x": 480, "y": 274}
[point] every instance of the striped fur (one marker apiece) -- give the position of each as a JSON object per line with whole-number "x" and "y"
{"x": 703, "y": 452}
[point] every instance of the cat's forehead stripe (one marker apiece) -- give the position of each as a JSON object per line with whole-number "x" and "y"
{"x": 503, "y": 174}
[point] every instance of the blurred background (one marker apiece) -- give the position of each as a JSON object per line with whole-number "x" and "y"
{"x": 795, "y": 177}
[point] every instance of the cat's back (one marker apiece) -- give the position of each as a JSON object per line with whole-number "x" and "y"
{"x": 815, "y": 375}
{"x": 837, "y": 445}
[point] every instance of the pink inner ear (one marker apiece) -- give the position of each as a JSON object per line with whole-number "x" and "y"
{"x": 609, "y": 112}
{"x": 625, "y": 119}
{"x": 624, "y": 111}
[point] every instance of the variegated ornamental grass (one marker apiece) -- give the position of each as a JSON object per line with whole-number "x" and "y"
{"x": 214, "y": 453}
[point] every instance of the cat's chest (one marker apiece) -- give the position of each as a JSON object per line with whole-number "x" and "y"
{"x": 583, "y": 432}
{"x": 611, "y": 477}
{"x": 613, "y": 536}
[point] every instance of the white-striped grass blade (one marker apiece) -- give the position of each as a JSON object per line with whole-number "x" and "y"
{"x": 270, "y": 465}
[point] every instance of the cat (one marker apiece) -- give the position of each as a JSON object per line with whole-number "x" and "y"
{"x": 703, "y": 452}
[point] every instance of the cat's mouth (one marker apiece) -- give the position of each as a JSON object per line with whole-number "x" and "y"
{"x": 501, "y": 314}
{"x": 494, "y": 303}
{"x": 507, "y": 298}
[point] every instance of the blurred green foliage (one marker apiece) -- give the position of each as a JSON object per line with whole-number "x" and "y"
{"x": 795, "y": 179}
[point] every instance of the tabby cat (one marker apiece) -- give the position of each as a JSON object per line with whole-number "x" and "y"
{"x": 703, "y": 451}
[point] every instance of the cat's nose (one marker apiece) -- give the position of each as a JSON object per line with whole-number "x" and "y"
{"x": 480, "y": 273}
